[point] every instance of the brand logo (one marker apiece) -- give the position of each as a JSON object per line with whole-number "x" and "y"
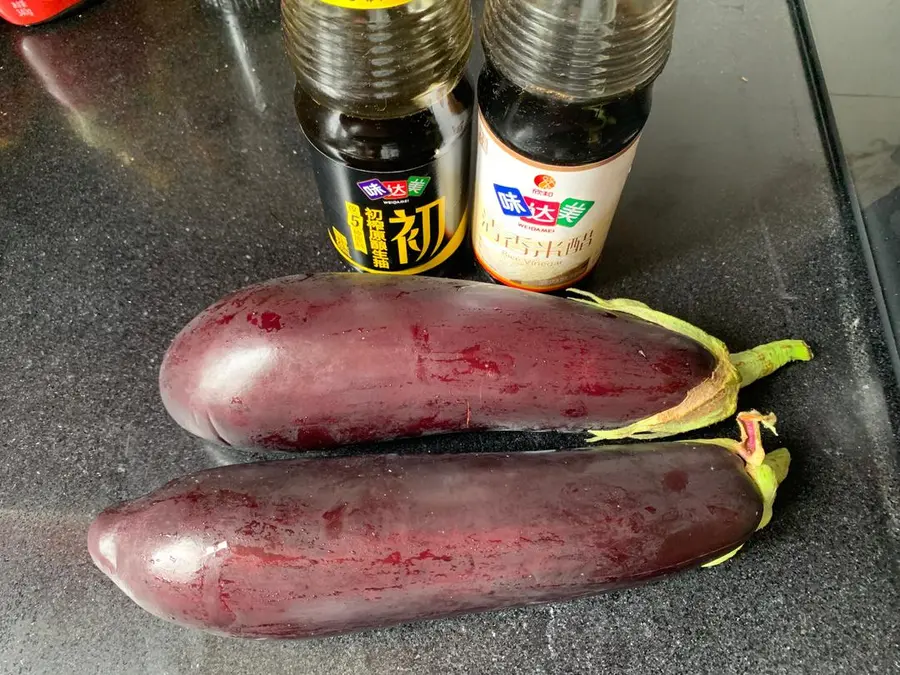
{"x": 567, "y": 213}
{"x": 391, "y": 190}
{"x": 545, "y": 182}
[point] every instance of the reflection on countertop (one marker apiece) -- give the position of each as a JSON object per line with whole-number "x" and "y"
{"x": 144, "y": 90}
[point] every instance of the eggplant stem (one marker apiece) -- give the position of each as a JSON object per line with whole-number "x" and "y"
{"x": 750, "y": 447}
{"x": 766, "y": 359}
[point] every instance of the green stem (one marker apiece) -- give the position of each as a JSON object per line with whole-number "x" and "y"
{"x": 766, "y": 359}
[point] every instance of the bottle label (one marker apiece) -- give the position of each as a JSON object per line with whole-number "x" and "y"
{"x": 541, "y": 226}
{"x": 366, "y": 4}
{"x": 396, "y": 222}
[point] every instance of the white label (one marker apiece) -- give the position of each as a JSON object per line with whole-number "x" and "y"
{"x": 541, "y": 226}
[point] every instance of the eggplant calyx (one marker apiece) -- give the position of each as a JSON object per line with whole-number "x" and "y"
{"x": 767, "y": 470}
{"x": 712, "y": 400}
{"x": 721, "y": 559}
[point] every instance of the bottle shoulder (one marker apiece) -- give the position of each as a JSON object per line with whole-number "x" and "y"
{"x": 553, "y": 131}
{"x": 387, "y": 144}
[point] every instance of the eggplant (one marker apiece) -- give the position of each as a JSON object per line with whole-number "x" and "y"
{"x": 319, "y": 361}
{"x": 309, "y": 547}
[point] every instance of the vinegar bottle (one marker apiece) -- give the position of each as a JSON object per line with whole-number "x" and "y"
{"x": 383, "y": 100}
{"x": 562, "y": 99}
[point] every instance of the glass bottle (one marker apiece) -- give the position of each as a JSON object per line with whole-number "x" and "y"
{"x": 563, "y": 96}
{"x": 383, "y": 100}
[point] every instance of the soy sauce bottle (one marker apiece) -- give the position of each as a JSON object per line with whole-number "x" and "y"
{"x": 384, "y": 103}
{"x": 563, "y": 96}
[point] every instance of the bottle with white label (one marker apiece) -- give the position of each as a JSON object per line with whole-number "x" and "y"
{"x": 562, "y": 99}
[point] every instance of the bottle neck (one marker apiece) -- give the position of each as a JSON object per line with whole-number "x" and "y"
{"x": 580, "y": 52}
{"x": 378, "y": 63}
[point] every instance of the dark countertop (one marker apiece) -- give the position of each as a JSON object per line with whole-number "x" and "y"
{"x": 151, "y": 162}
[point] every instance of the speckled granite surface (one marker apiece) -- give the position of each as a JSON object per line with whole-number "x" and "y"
{"x": 150, "y": 162}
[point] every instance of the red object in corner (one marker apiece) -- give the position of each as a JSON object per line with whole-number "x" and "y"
{"x": 28, "y": 12}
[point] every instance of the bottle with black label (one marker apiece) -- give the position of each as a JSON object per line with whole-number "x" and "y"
{"x": 562, "y": 97}
{"x": 383, "y": 100}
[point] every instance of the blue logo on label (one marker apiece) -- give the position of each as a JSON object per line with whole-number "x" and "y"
{"x": 511, "y": 201}
{"x": 373, "y": 188}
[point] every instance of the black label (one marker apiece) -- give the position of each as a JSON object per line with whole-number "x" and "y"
{"x": 401, "y": 222}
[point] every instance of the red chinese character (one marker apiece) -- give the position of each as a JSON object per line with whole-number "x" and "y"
{"x": 396, "y": 189}
{"x": 544, "y": 213}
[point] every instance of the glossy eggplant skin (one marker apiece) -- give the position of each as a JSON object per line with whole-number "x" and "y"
{"x": 312, "y": 362}
{"x": 310, "y": 547}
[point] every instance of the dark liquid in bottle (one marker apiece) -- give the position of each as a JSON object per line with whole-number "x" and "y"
{"x": 395, "y": 190}
{"x": 553, "y": 131}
